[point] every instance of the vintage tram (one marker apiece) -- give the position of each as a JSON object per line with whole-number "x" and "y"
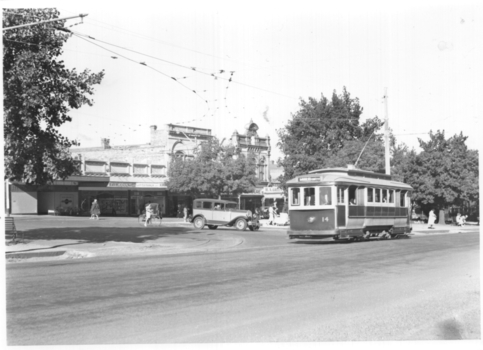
{"x": 348, "y": 204}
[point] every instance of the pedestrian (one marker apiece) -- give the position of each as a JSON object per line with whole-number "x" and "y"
{"x": 185, "y": 214}
{"x": 431, "y": 219}
{"x": 95, "y": 210}
{"x": 149, "y": 214}
{"x": 271, "y": 218}
{"x": 459, "y": 220}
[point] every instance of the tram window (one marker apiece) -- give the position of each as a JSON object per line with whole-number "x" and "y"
{"x": 295, "y": 196}
{"x": 384, "y": 196}
{"x": 391, "y": 196}
{"x": 370, "y": 195}
{"x": 352, "y": 195}
{"x": 341, "y": 195}
{"x": 309, "y": 196}
{"x": 377, "y": 195}
{"x": 403, "y": 199}
{"x": 325, "y": 197}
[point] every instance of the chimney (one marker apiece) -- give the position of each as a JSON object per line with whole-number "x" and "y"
{"x": 153, "y": 134}
{"x": 105, "y": 143}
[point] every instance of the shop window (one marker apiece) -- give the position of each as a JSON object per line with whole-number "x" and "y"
{"x": 158, "y": 170}
{"x": 295, "y": 196}
{"x": 95, "y": 167}
{"x": 325, "y": 197}
{"x": 140, "y": 169}
{"x": 119, "y": 168}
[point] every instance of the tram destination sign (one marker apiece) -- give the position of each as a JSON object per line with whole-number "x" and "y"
{"x": 309, "y": 178}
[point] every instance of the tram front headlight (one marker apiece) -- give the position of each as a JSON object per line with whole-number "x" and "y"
{"x": 249, "y": 214}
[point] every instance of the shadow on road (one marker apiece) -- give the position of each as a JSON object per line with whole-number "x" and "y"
{"x": 104, "y": 234}
{"x": 330, "y": 241}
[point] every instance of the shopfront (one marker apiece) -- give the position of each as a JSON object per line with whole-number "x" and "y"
{"x": 273, "y": 195}
{"x": 250, "y": 201}
{"x": 118, "y": 198}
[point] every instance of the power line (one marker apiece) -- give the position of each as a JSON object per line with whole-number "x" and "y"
{"x": 144, "y": 64}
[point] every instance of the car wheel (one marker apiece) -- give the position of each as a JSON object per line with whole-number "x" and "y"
{"x": 241, "y": 225}
{"x": 199, "y": 223}
{"x": 212, "y": 227}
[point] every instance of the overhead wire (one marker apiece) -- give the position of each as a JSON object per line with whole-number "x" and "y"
{"x": 144, "y": 64}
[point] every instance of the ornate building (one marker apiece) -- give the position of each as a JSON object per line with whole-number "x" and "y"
{"x": 260, "y": 146}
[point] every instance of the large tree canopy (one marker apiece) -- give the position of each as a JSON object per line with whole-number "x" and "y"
{"x": 445, "y": 173}
{"x": 319, "y": 130}
{"x": 214, "y": 171}
{"x": 38, "y": 93}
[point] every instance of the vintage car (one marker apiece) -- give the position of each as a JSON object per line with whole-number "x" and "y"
{"x": 217, "y": 212}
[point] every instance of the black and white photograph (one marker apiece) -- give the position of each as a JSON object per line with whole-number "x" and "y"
{"x": 224, "y": 174}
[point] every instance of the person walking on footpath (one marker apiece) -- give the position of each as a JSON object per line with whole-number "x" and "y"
{"x": 431, "y": 219}
{"x": 185, "y": 214}
{"x": 95, "y": 210}
{"x": 271, "y": 217}
{"x": 149, "y": 214}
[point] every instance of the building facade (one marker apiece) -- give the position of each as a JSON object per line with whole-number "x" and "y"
{"x": 125, "y": 178}
{"x": 122, "y": 178}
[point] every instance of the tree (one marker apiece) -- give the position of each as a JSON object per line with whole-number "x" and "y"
{"x": 215, "y": 170}
{"x": 445, "y": 173}
{"x": 38, "y": 92}
{"x": 319, "y": 130}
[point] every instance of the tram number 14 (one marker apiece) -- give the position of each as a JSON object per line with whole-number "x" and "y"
{"x": 325, "y": 218}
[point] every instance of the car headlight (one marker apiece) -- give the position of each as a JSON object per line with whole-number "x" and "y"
{"x": 249, "y": 213}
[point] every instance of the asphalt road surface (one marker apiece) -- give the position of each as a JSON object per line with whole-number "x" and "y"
{"x": 266, "y": 290}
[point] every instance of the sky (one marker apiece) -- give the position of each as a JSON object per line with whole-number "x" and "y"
{"x": 257, "y": 60}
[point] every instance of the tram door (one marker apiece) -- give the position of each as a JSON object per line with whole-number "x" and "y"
{"x": 341, "y": 205}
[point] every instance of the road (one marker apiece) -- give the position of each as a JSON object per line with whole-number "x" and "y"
{"x": 267, "y": 290}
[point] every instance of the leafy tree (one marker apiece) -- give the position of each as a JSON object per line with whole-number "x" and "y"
{"x": 319, "y": 130}
{"x": 215, "y": 170}
{"x": 38, "y": 93}
{"x": 445, "y": 173}
{"x": 371, "y": 159}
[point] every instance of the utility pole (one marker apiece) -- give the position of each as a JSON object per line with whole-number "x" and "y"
{"x": 42, "y": 22}
{"x": 386, "y": 136}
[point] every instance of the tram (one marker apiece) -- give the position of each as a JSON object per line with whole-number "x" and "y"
{"x": 348, "y": 204}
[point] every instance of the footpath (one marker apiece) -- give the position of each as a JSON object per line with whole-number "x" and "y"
{"x": 58, "y": 238}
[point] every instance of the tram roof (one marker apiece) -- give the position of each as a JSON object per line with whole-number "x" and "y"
{"x": 348, "y": 177}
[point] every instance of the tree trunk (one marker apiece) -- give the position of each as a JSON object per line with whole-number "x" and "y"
{"x": 441, "y": 218}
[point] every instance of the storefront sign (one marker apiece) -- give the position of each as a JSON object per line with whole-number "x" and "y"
{"x": 150, "y": 185}
{"x": 121, "y": 184}
{"x": 272, "y": 190}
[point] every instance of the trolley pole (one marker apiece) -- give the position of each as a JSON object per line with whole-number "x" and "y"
{"x": 386, "y": 136}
